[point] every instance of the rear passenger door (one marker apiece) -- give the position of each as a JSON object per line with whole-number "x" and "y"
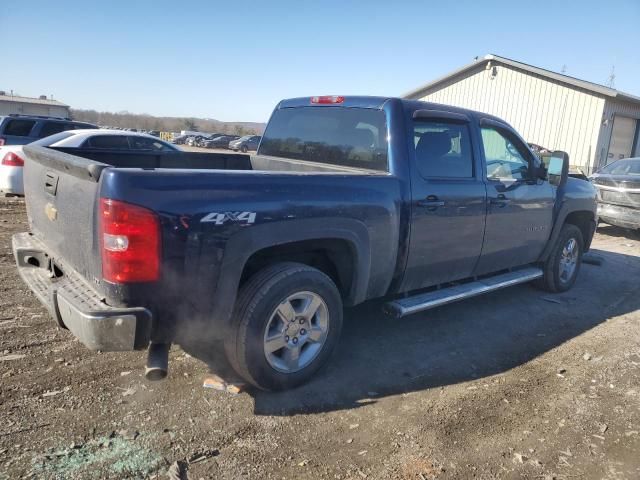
{"x": 448, "y": 205}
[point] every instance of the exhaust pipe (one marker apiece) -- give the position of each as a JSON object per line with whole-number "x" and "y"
{"x": 157, "y": 361}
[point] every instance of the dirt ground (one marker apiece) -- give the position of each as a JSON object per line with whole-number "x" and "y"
{"x": 516, "y": 384}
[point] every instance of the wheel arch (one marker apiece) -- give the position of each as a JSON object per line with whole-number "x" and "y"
{"x": 339, "y": 247}
{"x": 584, "y": 219}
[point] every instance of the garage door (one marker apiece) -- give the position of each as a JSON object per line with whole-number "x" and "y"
{"x": 622, "y": 135}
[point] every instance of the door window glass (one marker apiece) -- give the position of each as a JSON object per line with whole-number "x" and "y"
{"x": 108, "y": 141}
{"x": 50, "y": 128}
{"x": 443, "y": 150}
{"x": 506, "y": 159}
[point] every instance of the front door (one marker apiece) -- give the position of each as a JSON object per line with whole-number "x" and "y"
{"x": 520, "y": 207}
{"x": 448, "y": 204}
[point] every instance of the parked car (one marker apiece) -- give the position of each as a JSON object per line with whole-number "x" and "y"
{"x": 246, "y": 143}
{"x": 23, "y": 129}
{"x": 348, "y": 199}
{"x": 18, "y": 130}
{"x": 219, "y": 142}
{"x": 618, "y": 187}
{"x": 180, "y": 139}
{"x": 12, "y": 165}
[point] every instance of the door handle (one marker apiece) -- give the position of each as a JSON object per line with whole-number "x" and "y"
{"x": 499, "y": 201}
{"x": 431, "y": 202}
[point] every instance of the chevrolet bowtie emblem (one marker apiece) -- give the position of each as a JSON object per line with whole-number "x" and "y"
{"x": 51, "y": 211}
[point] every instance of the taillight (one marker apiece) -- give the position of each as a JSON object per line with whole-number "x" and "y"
{"x": 13, "y": 160}
{"x": 327, "y": 99}
{"x": 130, "y": 241}
{"x": 2, "y": 140}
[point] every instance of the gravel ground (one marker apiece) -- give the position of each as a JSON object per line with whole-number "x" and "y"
{"x": 516, "y": 384}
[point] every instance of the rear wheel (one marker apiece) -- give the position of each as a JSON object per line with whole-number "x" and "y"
{"x": 561, "y": 268}
{"x": 287, "y": 322}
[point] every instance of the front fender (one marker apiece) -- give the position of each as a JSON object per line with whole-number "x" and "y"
{"x": 576, "y": 196}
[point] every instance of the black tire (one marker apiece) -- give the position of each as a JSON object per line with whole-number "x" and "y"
{"x": 244, "y": 149}
{"x": 551, "y": 280}
{"x": 256, "y": 302}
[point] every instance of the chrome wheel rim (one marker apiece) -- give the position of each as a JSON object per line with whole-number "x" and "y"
{"x": 568, "y": 260}
{"x": 296, "y": 332}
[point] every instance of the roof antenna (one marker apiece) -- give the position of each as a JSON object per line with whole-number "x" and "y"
{"x": 611, "y": 83}
{"x": 564, "y": 69}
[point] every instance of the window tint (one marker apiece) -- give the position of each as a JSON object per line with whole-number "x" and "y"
{"x": 20, "y": 128}
{"x": 49, "y": 128}
{"x": 443, "y": 149}
{"x": 506, "y": 158}
{"x": 353, "y": 137}
{"x": 144, "y": 143}
{"x": 108, "y": 141}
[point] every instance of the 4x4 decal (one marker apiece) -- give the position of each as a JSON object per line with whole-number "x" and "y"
{"x": 223, "y": 217}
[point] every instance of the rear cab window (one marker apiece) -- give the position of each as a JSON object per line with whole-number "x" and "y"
{"x": 343, "y": 136}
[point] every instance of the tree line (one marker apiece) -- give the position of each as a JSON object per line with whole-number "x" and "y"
{"x": 165, "y": 124}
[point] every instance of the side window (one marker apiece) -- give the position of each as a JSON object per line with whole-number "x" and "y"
{"x": 506, "y": 158}
{"x": 443, "y": 149}
{"x": 50, "y": 128}
{"x": 19, "y": 128}
{"x": 118, "y": 142}
{"x": 144, "y": 143}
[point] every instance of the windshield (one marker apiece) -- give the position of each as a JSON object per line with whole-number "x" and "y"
{"x": 354, "y": 137}
{"x": 629, "y": 166}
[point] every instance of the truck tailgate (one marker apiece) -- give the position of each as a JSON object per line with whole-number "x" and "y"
{"x": 61, "y": 193}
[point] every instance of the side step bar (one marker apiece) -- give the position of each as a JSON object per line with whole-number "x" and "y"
{"x": 425, "y": 301}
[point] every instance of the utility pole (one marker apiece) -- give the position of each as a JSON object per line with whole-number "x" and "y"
{"x": 611, "y": 83}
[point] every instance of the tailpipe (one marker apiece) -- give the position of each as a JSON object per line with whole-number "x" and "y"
{"x": 157, "y": 361}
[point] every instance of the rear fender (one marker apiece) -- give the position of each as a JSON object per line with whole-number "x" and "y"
{"x": 250, "y": 240}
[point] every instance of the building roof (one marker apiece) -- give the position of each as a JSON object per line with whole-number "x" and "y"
{"x": 39, "y": 101}
{"x": 558, "y": 77}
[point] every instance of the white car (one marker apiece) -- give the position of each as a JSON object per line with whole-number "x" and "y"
{"x": 12, "y": 156}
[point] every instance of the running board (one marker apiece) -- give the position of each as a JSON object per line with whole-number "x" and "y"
{"x": 425, "y": 301}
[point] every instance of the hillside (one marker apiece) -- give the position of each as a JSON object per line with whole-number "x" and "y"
{"x": 165, "y": 124}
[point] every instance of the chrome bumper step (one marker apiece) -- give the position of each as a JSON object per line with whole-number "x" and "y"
{"x": 425, "y": 301}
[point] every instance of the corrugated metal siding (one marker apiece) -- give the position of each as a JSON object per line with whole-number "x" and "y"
{"x": 7, "y": 108}
{"x": 612, "y": 108}
{"x": 542, "y": 111}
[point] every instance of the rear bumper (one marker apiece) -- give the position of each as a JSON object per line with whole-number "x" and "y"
{"x": 11, "y": 180}
{"x": 626, "y": 217}
{"x": 75, "y": 305}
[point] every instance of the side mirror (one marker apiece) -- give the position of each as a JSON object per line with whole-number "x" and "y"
{"x": 558, "y": 168}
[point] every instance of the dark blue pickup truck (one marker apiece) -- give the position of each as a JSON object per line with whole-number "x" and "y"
{"x": 347, "y": 199}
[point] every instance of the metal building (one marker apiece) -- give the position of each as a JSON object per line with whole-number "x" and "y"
{"x": 593, "y": 123}
{"x": 32, "y": 106}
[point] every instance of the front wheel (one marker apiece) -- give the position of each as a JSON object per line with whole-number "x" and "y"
{"x": 244, "y": 149}
{"x": 561, "y": 268}
{"x": 287, "y": 322}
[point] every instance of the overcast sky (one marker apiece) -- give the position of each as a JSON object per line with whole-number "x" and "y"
{"x": 235, "y": 60}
